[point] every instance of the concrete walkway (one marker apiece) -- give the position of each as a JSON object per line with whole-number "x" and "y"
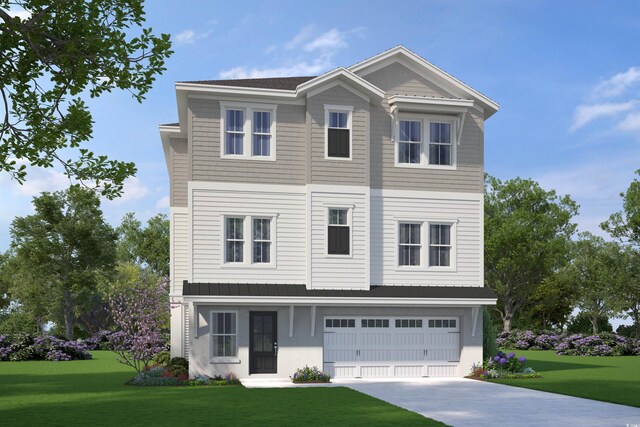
{"x": 464, "y": 402}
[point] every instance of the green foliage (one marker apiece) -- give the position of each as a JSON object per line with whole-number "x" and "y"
{"x": 63, "y": 52}
{"x": 18, "y": 321}
{"x": 489, "y": 346}
{"x": 61, "y": 253}
{"x": 625, "y": 224}
{"x": 310, "y": 375}
{"x": 629, "y": 331}
{"x": 162, "y": 358}
{"x": 581, "y": 324}
{"x": 178, "y": 366}
{"x": 145, "y": 246}
{"x": 527, "y": 233}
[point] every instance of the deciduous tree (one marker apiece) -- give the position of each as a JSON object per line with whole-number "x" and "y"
{"x": 145, "y": 246}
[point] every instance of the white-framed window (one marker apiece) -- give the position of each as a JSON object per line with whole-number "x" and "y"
{"x": 440, "y": 245}
{"x": 409, "y": 244}
{"x": 224, "y": 335}
{"x": 339, "y": 231}
{"x": 248, "y": 131}
{"x": 425, "y": 141}
{"x": 234, "y": 239}
{"x": 443, "y": 323}
{"x": 338, "y": 132}
{"x": 426, "y": 244}
{"x": 249, "y": 240}
{"x": 374, "y": 323}
{"x": 408, "y": 323}
{"x": 261, "y": 240}
{"x": 339, "y": 323}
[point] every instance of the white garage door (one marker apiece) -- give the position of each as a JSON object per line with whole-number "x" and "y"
{"x": 377, "y": 346}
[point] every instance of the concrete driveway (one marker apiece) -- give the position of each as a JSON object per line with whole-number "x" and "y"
{"x": 464, "y": 402}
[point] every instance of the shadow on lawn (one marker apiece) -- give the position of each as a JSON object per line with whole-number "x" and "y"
{"x": 548, "y": 365}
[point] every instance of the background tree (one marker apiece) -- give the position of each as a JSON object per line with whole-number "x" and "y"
{"x": 527, "y": 233}
{"x": 626, "y": 223}
{"x": 627, "y": 289}
{"x": 598, "y": 268}
{"x": 48, "y": 61}
{"x": 146, "y": 246}
{"x": 62, "y": 252}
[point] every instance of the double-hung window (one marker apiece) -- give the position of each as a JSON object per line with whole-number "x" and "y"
{"x": 248, "y": 131}
{"x": 261, "y": 240}
{"x": 439, "y": 245}
{"x": 234, "y": 239}
{"x": 409, "y": 244}
{"x": 426, "y": 141}
{"x": 338, "y": 132}
{"x": 338, "y": 232}
{"x": 223, "y": 335}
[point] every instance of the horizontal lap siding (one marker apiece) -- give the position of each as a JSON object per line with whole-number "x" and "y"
{"x": 385, "y": 211}
{"x": 180, "y": 249}
{"x": 290, "y": 164}
{"x": 179, "y": 171}
{"x": 208, "y": 208}
{"x": 467, "y": 177}
{"x": 325, "y": 171}
{"x": 347, "y": 272}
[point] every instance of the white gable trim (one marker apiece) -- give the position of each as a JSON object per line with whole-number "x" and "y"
{"x": 337, "y": 83}
{"x": 341, "y": 73}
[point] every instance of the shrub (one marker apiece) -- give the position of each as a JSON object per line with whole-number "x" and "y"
{"x": 504, "y": 365}
{"x": 310, "y": 375}
{"x": 99, "y": 341}
{"x": 489, "y": 345}
{"x": 20, "y": 347}
{"x": 162, "y": 358}
{"x": 629, "y": 331}
{"x": 5, "y": 348}
{"x": 527, "y": 340}
{"x": 605, "y": 344}
{"x": 178, "y": 366}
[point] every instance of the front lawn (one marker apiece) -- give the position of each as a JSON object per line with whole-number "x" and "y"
{"x": 92, "y": 392}
{"x": 613, "y": 379}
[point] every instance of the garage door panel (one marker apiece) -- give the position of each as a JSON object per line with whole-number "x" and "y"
{"x": 375, "y": 371}
{"x": 409, "y": 354}
{"x": 375, "y": 339}
{"x": 375, "y": 355}
{"x": 340, "y": 355}
{"x": 410, "y": 339}
{"x": 341, "y": 339}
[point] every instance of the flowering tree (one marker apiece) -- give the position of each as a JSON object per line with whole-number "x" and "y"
{"x": 139, "y": 315}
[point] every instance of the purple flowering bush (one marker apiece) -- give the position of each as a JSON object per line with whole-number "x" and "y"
{"x": 5, "y": 348}
{"x": 527, "y": 340}
{"x": 504, "y": 365}
{"x": 99, "y": 341}
{"x": 20, "y": 347}
{"x": 310, "y": 375}
{"x": 139, "y": 315}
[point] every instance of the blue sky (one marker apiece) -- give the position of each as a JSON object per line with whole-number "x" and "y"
{"x": 566, "y": 75}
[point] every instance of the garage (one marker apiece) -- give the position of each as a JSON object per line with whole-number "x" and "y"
{"x": 384, "y": 346}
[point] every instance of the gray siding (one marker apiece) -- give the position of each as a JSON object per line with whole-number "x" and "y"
{"x": 325, "y": 171}
{"x": 290, "y": 164}
{"x": 396, "y": 79}
{"x": 179, "y": 171}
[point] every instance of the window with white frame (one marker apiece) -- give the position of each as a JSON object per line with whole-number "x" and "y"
{"x": 234, "y": 239}
{"x": 338, "y": 232}
{"x": 261, "y": 240}
{"x": 248, "y": 131}
{"x": 224, "y": 343}
{"x": 338, "y": 132}
{"x": 427, "y": 141}
{"x": 440, "y": 245}
{"x": 409, "y": 243}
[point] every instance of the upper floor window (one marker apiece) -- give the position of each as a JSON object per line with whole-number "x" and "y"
{"x": 439, "y": 245}
{"x": 234, "y": 239}
{"x": 248, "y": 131}
{"x": 409, "y": 244}
{"x": 261, "y": 240}
{"x": 260, "y": 247}
{"x": 338, "y": 232}
{"x": 338, "y": 132}
{"x": 425, "y": 141}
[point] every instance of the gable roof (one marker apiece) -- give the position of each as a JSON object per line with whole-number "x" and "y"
{"x": 435, "y": 74}
{"x": 278, "y": 83}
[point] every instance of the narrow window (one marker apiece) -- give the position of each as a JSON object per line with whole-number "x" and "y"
{"x": 409, "y": 244}
{"x": 234, "y": 239}
{"x": 439, "y": 245}
{"x": 440, "y": 144}
{"x": 262, "y": 133}
{"x": 410, "y": 142}
{"x": 261, "y": 240}
{"x": 338, "y": 135}
{"x": 223, "y": 335}
{"x": 338, "y": 232}
{"x": 234, "y": 132}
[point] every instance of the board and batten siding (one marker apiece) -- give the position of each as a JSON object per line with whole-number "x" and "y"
{"x": 179, "y": 255}
{"x": 179, "y": 160}
{"x": 210, "y": 203}
{"x": 288, "y": 168}
{"x": 387, "y": 209}
{"x": 339, "y": 171}
{"x": 396, "y": 79}
{"x": 336, "y": 271}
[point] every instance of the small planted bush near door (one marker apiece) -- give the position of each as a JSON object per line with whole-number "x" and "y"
{"x": 506, "y": 366}
{"x": 310, "y": 375}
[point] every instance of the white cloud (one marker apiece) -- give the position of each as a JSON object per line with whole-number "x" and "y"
{"x": 332, "y": 39}
{"x": 163, "y": 203}
{"x": 302, "y": 68}
{"x": 587, "y": 113}
{"x": 302, "y": 36}
{"x": 631, "y": 122}
{"x": 133, "y": 190}
{"x": 190, "y": 36}
{"x": 618, "y": 84}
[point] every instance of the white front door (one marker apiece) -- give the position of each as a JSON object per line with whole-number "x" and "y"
{"x": 379, "y": 346}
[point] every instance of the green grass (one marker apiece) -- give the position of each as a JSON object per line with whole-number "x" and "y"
{"x": 610, "y": 379}
{"x": 92, "y": 392}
